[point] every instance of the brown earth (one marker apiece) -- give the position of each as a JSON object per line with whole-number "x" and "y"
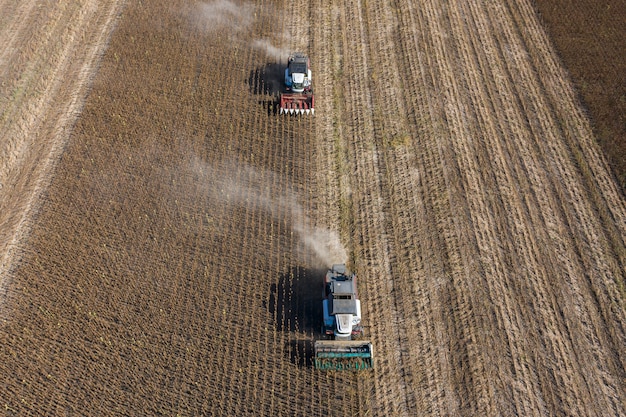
{"x": 172, "y": 264}
{"x": 589, "y": 37}
{"x": 48, "y": 58}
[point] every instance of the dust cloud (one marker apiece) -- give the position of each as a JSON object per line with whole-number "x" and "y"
{"x": 272, "y": 51}
{"x": 238, "y": 18}
{"x": 223, "y": 14}
{"x": 244, "y": 185}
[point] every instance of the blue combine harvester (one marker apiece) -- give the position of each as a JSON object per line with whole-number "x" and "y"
{"x": 342, "y": 324}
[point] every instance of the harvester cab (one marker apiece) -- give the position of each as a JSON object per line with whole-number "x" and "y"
{"x": 342, "y": 324}
{"x": 298, "y": 95}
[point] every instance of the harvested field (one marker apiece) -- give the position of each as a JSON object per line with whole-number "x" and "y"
{"x": 172, "y": 264}
{"x": 48, "y": 57}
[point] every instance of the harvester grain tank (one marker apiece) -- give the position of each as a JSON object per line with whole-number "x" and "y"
{"x": 342, "y": 324}
{"x": 297, "y": 97}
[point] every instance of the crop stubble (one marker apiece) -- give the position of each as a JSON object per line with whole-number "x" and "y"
{"x": 505, "y": 257}
{"x": 167, "y": 272}
{"x": 48, "y": 57}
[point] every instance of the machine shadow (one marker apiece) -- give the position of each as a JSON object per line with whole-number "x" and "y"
{"x": 267, "y": 81}
{"x": 295, "y": 302}
{"x": 301, "y": 353}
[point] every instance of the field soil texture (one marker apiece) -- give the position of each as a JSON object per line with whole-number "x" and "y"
{"x": 590, "y": 39}
{"x": 164, "y": 232}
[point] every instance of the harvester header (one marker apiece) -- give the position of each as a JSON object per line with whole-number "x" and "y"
{"x": 344, "y": 355}
{"x": 342, "y": 324}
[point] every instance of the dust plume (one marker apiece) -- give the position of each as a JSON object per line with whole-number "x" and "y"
{"x": 265, "y": 45}
{"x": 252, "y": 190}
{"x": 236, "y": 18}
{"x": 322, "y": 242}
{"x": 223, "y": 14}
{"x": 244, "y": 185}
